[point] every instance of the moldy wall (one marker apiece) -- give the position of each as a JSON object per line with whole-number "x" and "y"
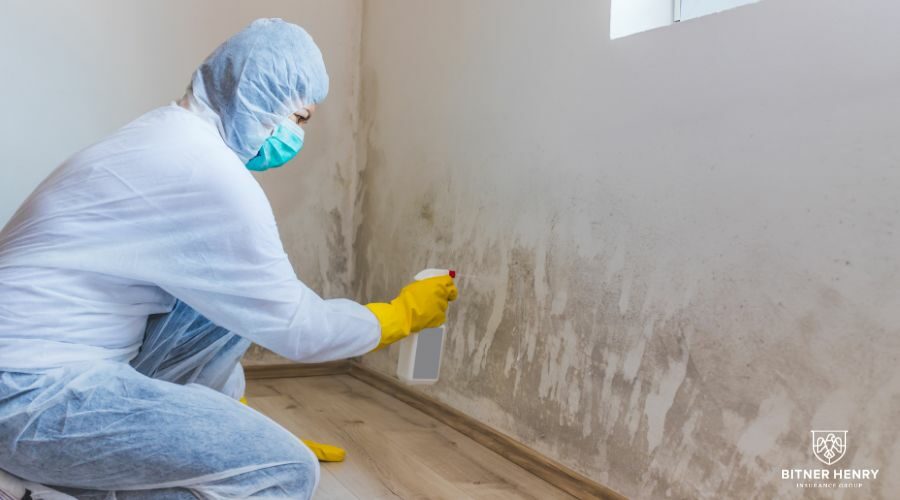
{"x": 678, "y": 250}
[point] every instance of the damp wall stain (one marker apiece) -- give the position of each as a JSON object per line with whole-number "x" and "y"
{"x": 653, "y": 290}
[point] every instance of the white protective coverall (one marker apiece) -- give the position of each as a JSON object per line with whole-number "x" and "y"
{"x": 164, "y": 212}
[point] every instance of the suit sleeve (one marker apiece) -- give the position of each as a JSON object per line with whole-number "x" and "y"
{"x": 231, "y": 267}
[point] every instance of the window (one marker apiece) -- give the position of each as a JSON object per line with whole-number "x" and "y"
{"x": 628, "y": 17}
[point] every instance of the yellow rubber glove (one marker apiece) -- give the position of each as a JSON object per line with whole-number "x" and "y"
{"x": 420, "y": 305}
{"x": 324, "y": 452}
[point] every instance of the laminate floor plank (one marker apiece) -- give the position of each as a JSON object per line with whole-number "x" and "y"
{"x": 363, "y": 435}
{"x": 257, "y": 388}
{"x": 475, "y": 468}
{"x": 332, "y": 489}
{"x": 354, "y": 475}
{"x": 393, "y": 450}
{"x": 470, "y": 457}
{"x": 469, "y": 462}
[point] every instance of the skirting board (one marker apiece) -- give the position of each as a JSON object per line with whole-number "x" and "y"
{"x": 297, "y": 370}
{"x": 554, "y": 473}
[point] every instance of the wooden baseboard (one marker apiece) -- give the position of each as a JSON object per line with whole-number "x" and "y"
{"x": 554, "y": 473}
{"x": 297, "y": 370}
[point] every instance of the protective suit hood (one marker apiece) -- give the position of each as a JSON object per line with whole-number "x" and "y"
{"x": 254, "y": 80}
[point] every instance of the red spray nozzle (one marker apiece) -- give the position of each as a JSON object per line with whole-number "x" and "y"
{"x": 452, "y": 273}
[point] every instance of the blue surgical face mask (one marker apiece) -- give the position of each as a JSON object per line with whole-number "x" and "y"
{"x": 284, "y": 143}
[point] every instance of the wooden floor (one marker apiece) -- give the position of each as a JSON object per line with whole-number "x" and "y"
{"x": 393, "y": 450}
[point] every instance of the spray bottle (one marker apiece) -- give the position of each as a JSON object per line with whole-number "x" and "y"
{"x": 420, "y": 354}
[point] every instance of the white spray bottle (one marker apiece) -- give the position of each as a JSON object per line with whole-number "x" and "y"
{"x": 420, "y": 354}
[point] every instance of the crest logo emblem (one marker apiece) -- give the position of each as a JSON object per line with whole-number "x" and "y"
{"x": 829, "y": 446}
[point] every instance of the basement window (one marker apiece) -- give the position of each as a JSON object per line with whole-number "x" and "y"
{"x": 628, "y": 17}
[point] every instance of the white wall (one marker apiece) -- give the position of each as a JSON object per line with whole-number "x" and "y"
{"x": 75, "y": 71}
{"x": 679, "y": 250}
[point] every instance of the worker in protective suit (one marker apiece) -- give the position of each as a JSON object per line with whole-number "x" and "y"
{"x": 136, "y": 275}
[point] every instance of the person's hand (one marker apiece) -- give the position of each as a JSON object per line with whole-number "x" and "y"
{"x": 420, "y": 305}
{"x": 325, "y": 452}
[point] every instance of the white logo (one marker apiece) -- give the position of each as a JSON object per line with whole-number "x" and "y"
{"x": 829, "y": 446}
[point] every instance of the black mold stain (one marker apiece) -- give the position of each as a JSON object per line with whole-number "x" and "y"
{"x": 338, "y": 252}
